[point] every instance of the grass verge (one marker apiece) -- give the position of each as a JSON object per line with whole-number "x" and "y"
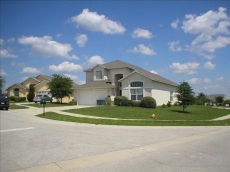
{"x": 13, "y": 106}
{"x": 172, "y": 113}
{"x": 54, "y": 104}
{"x": 59, "y": 117}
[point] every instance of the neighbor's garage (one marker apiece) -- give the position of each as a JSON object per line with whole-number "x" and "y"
{"x": 90, "y": 97}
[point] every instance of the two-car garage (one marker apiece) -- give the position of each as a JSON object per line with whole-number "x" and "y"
{"x": 90, "y": 97}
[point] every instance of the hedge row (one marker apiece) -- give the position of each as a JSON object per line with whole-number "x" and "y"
{"x": 147, "y": 102}
{"x": 16, "y": 99}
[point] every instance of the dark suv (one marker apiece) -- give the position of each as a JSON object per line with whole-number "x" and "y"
{"x": 4, "y": 103}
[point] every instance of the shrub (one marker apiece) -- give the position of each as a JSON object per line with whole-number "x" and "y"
{"x": 127, "y": 102}
{"x": 169, "y": 104}
{"x": 72, "y": 102}
{"x": 119, "y": 99}
{"x": 16, "y": 99}
{"x": 136, "y": 103}
{"x": 31, "y": 93}
{"x": 108, "y": 101}
{"x": 148, "y": 102}
{"x": 175, "y": 104}
{"x": 163, "y": 106}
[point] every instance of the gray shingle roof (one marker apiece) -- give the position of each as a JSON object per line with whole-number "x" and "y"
{"x": 96, "y": 84}
{"x": 212, "y": 97}
{"x": 120, "y": 64}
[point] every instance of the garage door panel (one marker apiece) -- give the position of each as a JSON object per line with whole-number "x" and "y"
{"x": 90, "y": 97}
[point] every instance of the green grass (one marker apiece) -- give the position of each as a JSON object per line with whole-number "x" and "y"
{"x": 172, "y": 113}
{"x": 54, "y": 104}
{"x": 59, "y": 117}
{"x": 13, "y": 106}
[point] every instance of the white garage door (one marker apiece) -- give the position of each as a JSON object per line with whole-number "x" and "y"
{"x": 90, "y": 97}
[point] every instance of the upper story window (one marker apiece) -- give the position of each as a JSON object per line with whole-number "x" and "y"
{"x": 99, "y": 74}
{"x": 136, "y": 84}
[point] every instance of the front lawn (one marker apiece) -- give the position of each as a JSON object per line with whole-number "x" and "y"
{"x": 172, "y": 113}
{"x": 13, "y": 106}
{"x": 59, "y": 117}
{"x": 53, "y": 104}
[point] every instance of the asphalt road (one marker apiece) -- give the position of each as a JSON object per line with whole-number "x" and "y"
{"x": 29, "y": 143}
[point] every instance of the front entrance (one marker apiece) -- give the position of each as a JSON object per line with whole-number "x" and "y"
{"x": 118, "y": 85}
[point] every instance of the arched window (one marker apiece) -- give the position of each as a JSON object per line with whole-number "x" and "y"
{"x": 99, "y": 74}
{"x": 16, "y": 92}
{"x": 136, "y": 90}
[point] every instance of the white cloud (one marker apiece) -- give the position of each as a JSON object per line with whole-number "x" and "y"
{"x": 46, "y": 47}
{"x": 81, "y": 40}
{"x": 75, "y": 79}
{"x": 193, "y": 81}
{"x": 209, "y": 65}
{"x": 141, "y": 33}
{"x": 175, "y": 23}
{"x": 1, "y": 41}
{"x": 146, "y": 50}
{"x": 10, "y": 40}
{"x": 186, "y": 68}
{"x": 208, "y": 81}
{"x": 59, "y": 35}
{"x": 24, "y": 78}
{"x": 3, "y": 73}
{"x": 97, "y": 23}
{"x": 212, "y": 29}
{"x": 30, "y": 70}
{"x": 220, "y": 79}
{"x": 153, "y": 71}
{"x": 6, "y": 54}
{"x": 174, "y": 46}
{"x": 66, "y": 67}
{"x": 94, "y": 60}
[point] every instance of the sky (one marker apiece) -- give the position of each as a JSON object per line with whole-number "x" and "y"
{"x": 181, "y": 41}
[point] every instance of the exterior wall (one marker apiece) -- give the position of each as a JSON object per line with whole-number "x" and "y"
{"x": 161, "y": 93}
{"x": 147, "y": 85}
{"x": 113, "y": 72}
{"x": 29, "y": 81}
{"x": 89, "y": 76}
{"x": 22, "y": 92}
{"x": 41, "y": 87}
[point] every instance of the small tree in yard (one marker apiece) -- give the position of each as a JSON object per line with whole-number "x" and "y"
{"x": 219, "y": 99}
{"x": 2, "y": 83}
{"x": 31, "y": 93}
{"x": 185, "y": 95}
{"x": 60, "y": 86}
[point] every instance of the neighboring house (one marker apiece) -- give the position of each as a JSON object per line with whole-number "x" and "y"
{"x": 212, "y": 98}
{"x": 40, "y": 85}
{"x": 118, "y": 78}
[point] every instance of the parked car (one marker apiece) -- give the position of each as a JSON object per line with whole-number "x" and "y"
{"x": 39, "y": 97}
{"x": 4, "y": 103}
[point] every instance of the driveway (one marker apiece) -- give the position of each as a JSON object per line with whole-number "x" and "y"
{"x": 29, "y": 143}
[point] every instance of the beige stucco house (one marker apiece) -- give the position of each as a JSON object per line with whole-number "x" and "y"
{"x": 40, "y": 85}
{"x": 118, "y": 78}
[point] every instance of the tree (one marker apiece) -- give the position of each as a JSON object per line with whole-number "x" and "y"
{"x": 219, "y": 99}
{"x": 2, "y": 83}
{"x": 60, "y": 86}
{"x": 201, "y": 99}
{"x": 31, "y": 93}
{"x": 185, "y": 95}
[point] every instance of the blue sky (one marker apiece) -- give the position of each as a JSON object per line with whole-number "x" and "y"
{"x": 181, "y": 41}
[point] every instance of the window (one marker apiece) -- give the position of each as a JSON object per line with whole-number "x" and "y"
{"x": 99, "y": 74}
{"x": 16, "y": 92}
{"x": 136, "y": 93}
{"x": 171, "y": 96}
{"x": 136, "y": 84}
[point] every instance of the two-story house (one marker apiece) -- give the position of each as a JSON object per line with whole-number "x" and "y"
{"x": 118, "y": 78}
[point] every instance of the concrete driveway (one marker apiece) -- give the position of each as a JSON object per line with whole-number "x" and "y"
{"x": 29, "y": 143}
